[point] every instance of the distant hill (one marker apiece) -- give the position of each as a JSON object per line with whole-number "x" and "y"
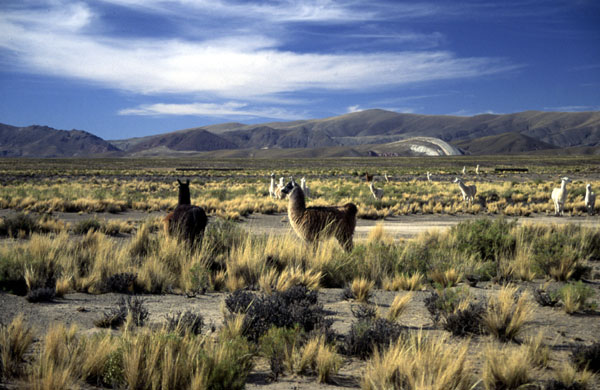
{"x": 43, "y": 141}
{"x": 370, "y": 132}
{"x": 536, "y": 130}
{"x": 506, "y": 143}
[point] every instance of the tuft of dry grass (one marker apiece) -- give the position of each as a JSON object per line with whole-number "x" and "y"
{"x": 569, "y": 377}
{"x": 507, "y": 314}
{"x": 399, "y": 306}
{"x": 317, "y": 357}
{"x": 449, "y": 278}
{"x": 15, "y": 340}
{"x": 506, "y": 369}
{"x": 361, "y": 289}
{"x": 539, "y": 353}
{"x": 419, "y": 363}
{"x": 405, "y": 282}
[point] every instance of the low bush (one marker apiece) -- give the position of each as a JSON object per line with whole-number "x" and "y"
{"x": 129, "y": 307}
{"x": 86, "y": 225}
{"x": 185, "y": 322}
{"x": 587, "y": 357}
{"x": 575, "y": 297}
{"x": 295, "y": 306}
{"x": 18, "y": 224}
{"x": 369, "y": 333}
{"x": 43, "y": 294}
{"x": 488, "y": 239}
{"x": 545, "y": 298}
{"x": 507, "y": 314}
{"x": 464, "y": 322}
{"x": 123, "y": 282}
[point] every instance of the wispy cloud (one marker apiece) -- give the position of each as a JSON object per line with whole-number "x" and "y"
{"x": 65, "y": 39}
{"x": 573, "y": 108}
{"x": 225, "y": 110}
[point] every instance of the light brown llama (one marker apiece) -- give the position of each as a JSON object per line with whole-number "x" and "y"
{"x": 316, "y": 222}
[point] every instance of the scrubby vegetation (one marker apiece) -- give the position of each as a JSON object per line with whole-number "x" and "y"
{"x": 476, "y": 337}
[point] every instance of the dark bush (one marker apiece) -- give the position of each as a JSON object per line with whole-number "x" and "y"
{"x": 123, "y": 282}
{"x": 84, "y": 226}
{"x": 13, "y": 224}
{"x": 545, "y": 298}
{"x": 115, "y": 317}
{"x": 443, "y": 308}
{"x": 364, "y": 312}
{"x": 558, "y": 385}
{"x": 441, "y": 304}
{"x": 465, "y": 322}
{"x": 587, "y": 357}
{"x": 369, "y": 333}
{"x": 298, "y": 305}
{"x": 43, "y": 294}
{"x": 185, "y": 322}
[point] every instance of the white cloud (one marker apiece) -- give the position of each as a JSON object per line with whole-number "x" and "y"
{"x": 247, "y": 67}
{"x": 573, "y": 108}
{"x": 228, "y": 109}
{"x": 355, "y": 108}
{"x": 284, "y": 11}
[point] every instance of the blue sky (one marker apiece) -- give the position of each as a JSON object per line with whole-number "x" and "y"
{"x": 125, "y": 68}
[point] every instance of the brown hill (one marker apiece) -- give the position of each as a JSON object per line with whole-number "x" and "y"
{"x": 506, "y": 143}
{"x": 43, "y": 141}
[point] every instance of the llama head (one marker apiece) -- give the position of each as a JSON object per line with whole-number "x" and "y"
{"x": 565, "y": 180}
{"x": 184, "y": 192}
{"x": 272, "y": 175}
{"x": 289, "y": 187}
{"x": 588, "y": 186}
{"x": 457, "y": 180}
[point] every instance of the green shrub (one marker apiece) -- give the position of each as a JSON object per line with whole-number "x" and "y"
{"x": 486, "y": 238}
{"x": 575, "y": 297}
{"x": 84, "y": 226}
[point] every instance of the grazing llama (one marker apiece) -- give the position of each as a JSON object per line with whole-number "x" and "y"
{"x": 377, "y": 192}
{"x": 305, "y": 187}
{"x": 468, "y": 191}
{"x": 272, "y": 187}
{"x": 186, "y": 222}
{"x": 559, "y": 196}
{"x": 278, "y": 193}
{"x": 590, "y": 199}
{"x": 316, "y": 222}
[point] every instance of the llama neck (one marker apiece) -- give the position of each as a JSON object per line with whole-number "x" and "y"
{"x": 563, "y": 185}
{"x": 184, "y": 197}
{"x": 462, "y": 185}
{"x": 296, "y": 203}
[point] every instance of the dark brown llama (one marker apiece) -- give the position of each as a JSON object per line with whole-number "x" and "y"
{"x": 186, "y": 222}
{"x": 316, "y": 222}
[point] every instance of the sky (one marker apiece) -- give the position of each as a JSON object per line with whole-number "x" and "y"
{"x": 127, "y": 68}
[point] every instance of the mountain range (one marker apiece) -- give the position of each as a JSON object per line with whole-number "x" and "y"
{"x": 365, "y": 133}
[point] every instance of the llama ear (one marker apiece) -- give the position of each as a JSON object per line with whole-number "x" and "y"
{"x": 179, "y": 181}
{"x": 187, "y": 182}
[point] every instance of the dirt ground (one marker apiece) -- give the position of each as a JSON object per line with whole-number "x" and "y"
{"x": 562, "y": 331}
